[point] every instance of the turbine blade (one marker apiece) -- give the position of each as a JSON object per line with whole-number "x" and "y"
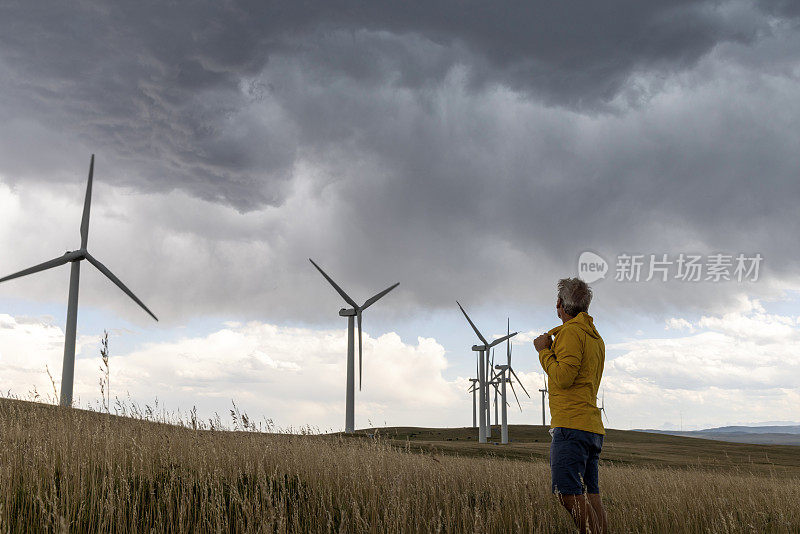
{"x": 508, "y": 342}
{"x": 36, "y": 268}
{"x": 372, "y": 300}
{"x": 358, "y": 320}
{"x": 520, "y": 382}
{"x": 87, "y": 205}
{"x": 495, "y": 373}
{"x": 491, "y": 365}
{"x": 338, "y": 289}
{"x": 480, "y": 336}
{"x": 103, "y": 269}
{"x": 514, "y": 391}
{"x": 500, "y": 340}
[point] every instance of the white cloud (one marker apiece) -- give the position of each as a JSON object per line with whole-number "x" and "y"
{"x": 674, "y": 323}
{"x": 295, "y": 376}
{"x": 717, "y": 373}
{"x": 741, "y": 366}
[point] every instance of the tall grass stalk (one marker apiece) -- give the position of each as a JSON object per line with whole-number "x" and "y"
{"x": 72, "y": 470}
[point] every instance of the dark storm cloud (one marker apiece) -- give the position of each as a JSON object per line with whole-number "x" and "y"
{"x": 456, "y": 145}
{"x": 161, "y": 87}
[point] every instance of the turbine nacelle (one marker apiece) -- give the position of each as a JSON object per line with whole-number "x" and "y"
{"x": 348, "y": 312}
{"x": 493, "y": 343}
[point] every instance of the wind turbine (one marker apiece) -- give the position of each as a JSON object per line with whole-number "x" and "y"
{"x": 496, "y": 393}
{"x": 474, "y": 389}
{"x": 544, "y": 394}
{"x": 75, "y": 257}
{"x": 603, "y": 405}
{"x": 483, "y": 379}
{"x": 350, "y": 313}
{"x": 507, "y": 379}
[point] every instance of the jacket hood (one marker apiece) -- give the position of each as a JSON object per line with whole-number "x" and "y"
{"x": 583, "y": 321}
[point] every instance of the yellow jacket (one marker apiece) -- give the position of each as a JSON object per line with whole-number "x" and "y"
{"x": 574, "y": 367}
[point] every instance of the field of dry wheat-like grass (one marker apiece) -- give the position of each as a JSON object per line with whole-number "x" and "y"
{"x": 78, "y": 471}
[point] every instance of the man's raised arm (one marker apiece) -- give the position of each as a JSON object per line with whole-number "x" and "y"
{"x": 562, "y": 361}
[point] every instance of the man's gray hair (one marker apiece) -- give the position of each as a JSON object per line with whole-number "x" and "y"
{"x": 575, "y": 295}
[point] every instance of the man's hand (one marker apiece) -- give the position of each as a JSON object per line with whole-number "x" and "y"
{"x": 542, "y": 342}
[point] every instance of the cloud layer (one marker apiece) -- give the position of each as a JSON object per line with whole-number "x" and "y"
{"x": 296, "y": 376}
{"x": 447, "y": 149}
{"x": 462, "y": 151}
{"x": 748, "y": 359}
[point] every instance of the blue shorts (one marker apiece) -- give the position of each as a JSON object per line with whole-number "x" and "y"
{"x": 574, "y": 456}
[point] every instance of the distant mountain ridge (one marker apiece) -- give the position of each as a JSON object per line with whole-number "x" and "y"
{"x": 771, "y": 429}
{"x": 762, "y": 435}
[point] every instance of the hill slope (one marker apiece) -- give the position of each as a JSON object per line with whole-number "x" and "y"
{"x": 622, "y": 447}
{"x": 77, "y": 471}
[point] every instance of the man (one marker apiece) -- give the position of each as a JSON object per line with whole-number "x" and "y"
{"x": 573, "y": 361}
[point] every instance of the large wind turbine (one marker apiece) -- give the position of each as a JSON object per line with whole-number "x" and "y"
{"x": 483, "y": 379}
{"x": 350, "y": 313}
{"x": 75, "y": 257}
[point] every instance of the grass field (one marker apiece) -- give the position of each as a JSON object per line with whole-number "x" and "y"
{"x": 73, "y": 470}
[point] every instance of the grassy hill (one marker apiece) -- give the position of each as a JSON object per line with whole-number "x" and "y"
{"x": 620, "y": 447}
{"x": 67, "y": 470}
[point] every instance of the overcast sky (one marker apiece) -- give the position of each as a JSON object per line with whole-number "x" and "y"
{"x": 467, "y": 151}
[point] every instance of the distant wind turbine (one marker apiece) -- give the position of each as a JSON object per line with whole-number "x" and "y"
{"x": 75, "y": 257}
{"x": 350, "y": 313}
{"x": 483, "y": 379}
{"x": 503, "y": 379}
{"x": 603, "y": 406}
{"x": 473, "y": 388}
{"x": 544, "y": 394}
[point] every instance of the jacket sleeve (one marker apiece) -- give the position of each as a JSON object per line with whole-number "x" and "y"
{"x": 563, "y": 361}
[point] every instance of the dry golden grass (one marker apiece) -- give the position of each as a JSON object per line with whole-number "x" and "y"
{"x": 73, "y": 470}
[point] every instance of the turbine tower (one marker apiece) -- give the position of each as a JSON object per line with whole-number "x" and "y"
{"x": 351, "y": 313}
{"x": 496, "y": 394}
{"x": 75, "y": 257}
{"x": 473, "y": 388}
{"x": 483, "y": 379}
{"x": 497, "y": 383}
{"x": 544, "y": 394}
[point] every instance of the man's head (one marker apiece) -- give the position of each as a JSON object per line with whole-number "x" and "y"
{"x": 574, "y": 297}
